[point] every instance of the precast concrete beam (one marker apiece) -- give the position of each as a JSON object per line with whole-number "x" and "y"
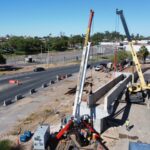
{"x": 115, "y": 92}
{"x": 100, "y": 92}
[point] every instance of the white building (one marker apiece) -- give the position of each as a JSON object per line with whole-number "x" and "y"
{"x": 136, "y": 46}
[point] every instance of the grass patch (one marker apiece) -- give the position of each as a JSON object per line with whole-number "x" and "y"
{"x": 48, "y": 111}
{"x": 30, "y": 118}
{"x": 97, "y": 58}
{"x": 5, "y": 145}
{"x": 9, "y": 145}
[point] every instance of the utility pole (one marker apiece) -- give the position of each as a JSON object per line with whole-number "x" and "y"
{"x": 48, "y": 57}
{"x": 41, "y": 54}
{"x": 115, "y": 58}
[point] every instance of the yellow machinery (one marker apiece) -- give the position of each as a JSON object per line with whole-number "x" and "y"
{"x": 89, "y": 28}
{"x": 137, "y": 92}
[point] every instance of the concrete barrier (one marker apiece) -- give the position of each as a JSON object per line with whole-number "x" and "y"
{"x": 57, "y": 78}
{"x": 68, "y": 75}
{"x": 100, "y": 92}
{"x": 51, "y": 82}
{"x": 61, "y": 77}
{"x": 18, "y": 97}
{"x": 32, "y": 91}
{"x": 7, "y": 102}
{"x": 44, "y": 85}
{"x": 115, "y": 92}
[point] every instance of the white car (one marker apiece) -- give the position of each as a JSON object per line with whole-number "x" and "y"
{"x": 98, "y": 68}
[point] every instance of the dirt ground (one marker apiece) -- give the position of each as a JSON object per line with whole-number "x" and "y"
{"x": 46, "y": 106}
{"x": 51, "y": 104}
{"x": 118, "y": 137}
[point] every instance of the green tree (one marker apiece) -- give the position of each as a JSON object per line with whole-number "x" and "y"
{"x": 76, "y": 40}
{"x": 143, "y": 53}
{"x": 97, "y": 37}
{"x": 25, "y": 45}
{"x": 121, "y": 55}
{"x": 107, "y": 36}
{"x": 57, "y": 43}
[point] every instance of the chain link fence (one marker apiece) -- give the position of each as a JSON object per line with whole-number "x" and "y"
{"x": 61, "y": 57}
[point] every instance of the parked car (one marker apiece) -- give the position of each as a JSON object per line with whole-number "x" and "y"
{"x": 39, "y": 69}
{"x": 98, "y": 67}
{"x": 89, "y": 66}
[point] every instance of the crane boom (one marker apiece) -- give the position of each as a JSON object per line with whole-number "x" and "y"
{"x": 89, "y": 28}
{"x": 143, "y": 85}
{"x": 83, "y": 68}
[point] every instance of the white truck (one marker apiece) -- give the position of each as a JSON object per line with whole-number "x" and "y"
{"x": 41, "y": 137}
{"x": 28, "y": 59}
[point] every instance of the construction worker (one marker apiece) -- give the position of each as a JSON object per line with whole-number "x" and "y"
{"x": 127, "y": 123}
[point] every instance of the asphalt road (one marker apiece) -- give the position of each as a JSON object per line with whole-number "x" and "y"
{"x": 33, "y": 80}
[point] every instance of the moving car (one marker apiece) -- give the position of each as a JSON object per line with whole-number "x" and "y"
{"x": 39, "y": 69}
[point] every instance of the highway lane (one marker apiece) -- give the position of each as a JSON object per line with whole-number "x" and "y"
{"x": 32, "y": 75}
{"x": 36, "y": 79}
{"x": 24, "y": 76}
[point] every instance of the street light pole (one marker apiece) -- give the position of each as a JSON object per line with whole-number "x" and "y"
{"x": 48, "y": 58}
{"x": 41, "y": 54}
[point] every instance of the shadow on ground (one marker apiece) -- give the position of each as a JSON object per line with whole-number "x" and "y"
{"x": 113, "y": 121}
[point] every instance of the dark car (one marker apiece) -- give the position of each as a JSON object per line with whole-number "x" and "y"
{"x": 89, "y": 66}
{"x": 104, "y": 64}
{"x": 38, "y": 69}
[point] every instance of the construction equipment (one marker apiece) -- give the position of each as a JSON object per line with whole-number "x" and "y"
{"x": 26, "y": 136}
{"x": 41, "y": 137}
{"x": 76, "y": 131}
{"x": 137, "y": 92}
{"x": 83, "y": 68}
{"x": 81, "y": 79}
{"x": 79, "y": 128}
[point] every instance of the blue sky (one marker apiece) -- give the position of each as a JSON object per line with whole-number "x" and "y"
{"x": 42, "y": 17}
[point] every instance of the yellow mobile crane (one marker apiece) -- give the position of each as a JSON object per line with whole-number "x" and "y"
{"x": 137, "y": 92}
